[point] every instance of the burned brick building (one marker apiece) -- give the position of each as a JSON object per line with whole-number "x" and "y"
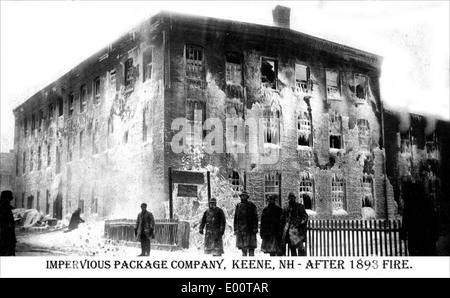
{"x": 101, "y": 137}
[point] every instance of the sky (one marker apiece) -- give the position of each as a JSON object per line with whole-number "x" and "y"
{"x": 42, "y": 40}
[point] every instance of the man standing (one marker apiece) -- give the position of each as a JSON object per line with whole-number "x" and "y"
{"x": 246, "y": 225}
{"x": 294, "y": 219}
{"x": 145, "y": 226}
{"x": 214, "y": 221}
{"x": 271, "y": 229}
{"x": 7, "y": 226}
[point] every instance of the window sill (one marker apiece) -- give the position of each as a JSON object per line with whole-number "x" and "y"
{"x": 337, "y": 150}
{"x": 303, "y": 148}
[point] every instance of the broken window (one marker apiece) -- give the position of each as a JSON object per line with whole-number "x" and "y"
{"x": 83, "y": 98}
{"x": 306, "y": 190}
{"x": 128, "y": 72}
{"x": 304, "y": 136}
{"x": 431, "y": 144}
{"x": 272, "y": 185}
{"x": 71, "y": 103}
{"x": 81, "y": 143}
{"x": 96, "y": 87}
{"x": 367, "y": 191}
{"x": 31, "y": 160}
{"x": 333, "y": 85}
{"x": 363, "y": 134}
{"x": 60, "y": 106}
{"x": 302, "y": 81}
{"x": 148, "y": 64}
{"x": 337, "y": 192}
{"x": 359, "y": 87}
{"x": 271, "y": 126}
{"x": 405, "y": 142}
{"x": 235, "y": 181}
{"x": 195, "y": 65}
{"x": 269, "y": 70}
{"x": 335, "y": 130}
{"x": 49, "y": 156}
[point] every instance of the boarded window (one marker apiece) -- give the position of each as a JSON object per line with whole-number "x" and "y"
{"x": 148, "y": 64}
{"x": 304, "y": 136}
{"x": 333, "y": 85}
{"x": 271, "y": 126}
{"x": 83, "y": 98}
{"x": 302, "y": 78}
{"x": 337, "y": 192}
{"x": 97, "y": 90}
{"x": 306, "y": 190}
{"x": 272, "y": 185}
{"x": 128, "y": 72}
{"x": 195, "y": 65}
{"x": 269, "y": 73}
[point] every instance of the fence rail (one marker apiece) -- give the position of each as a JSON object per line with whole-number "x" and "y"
{"x": 355, "y": 238}
{"x": 172, "y": 234}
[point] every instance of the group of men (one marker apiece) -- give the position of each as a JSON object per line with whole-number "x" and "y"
{"x": 279, "y": 227}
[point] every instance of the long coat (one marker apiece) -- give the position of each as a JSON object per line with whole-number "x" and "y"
{"x": 7, "y": 233}
{"x": 245, "y": 225}
{"x": 213, "y": 221}
{"x": 294, "y": 219}
{"x": 145, "y": 225}
{"x": 75, "y": 220}
{"x": 271, "y": 229}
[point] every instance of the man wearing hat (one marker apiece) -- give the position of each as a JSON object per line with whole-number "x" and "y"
{"x": 246, "y": 225}
{"x": 294, "y": 219}
{"x": 145, "y": 226}
{"x": 271, "y": 228}
{"x": 7, "y": 226}
{"x": 213, "y": 221}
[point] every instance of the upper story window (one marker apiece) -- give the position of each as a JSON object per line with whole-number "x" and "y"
{"x": 41, "y": 120}
{"x": 333, "y": 85}
{"x": 269, "y": 73}
{"x": 271, "y": 126}
{"x": 96, "y": 89}
{"x": 302, "y": 78}
{"x": 39, "y": 158}
{"x": 405, "y": 142}
{"x": 304, "y": 136}
{"x": 272, "y": 184}
{"x": 25, "y": 127}
{"x": 233, "y": 71}
{"x": 128, "y": 72}
{"x": 112, "y": 76}
{"x": 431, "y": 144}
{"x": 60, "y": 106}
{"x": 367, "y": 190}
{"x": 83, "y": 98}
{"x": 49, "y": 156}
{"x": 306, "y": 190}
{"x": 359, "y": 87}
{"x": 148, "y": 64}
{"x": 71, "y": 103}
{"x": 195, "y": 65}
{"x": 335, "y": 131}
{"x": 24, "y": 162}
{"x": 51, "y": 111}
{"x": 363, "y": 134}
{"x": 235, "y": 181}
{"x": 33, "y": 122}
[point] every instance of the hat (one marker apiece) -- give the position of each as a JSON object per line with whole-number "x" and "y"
{"x": 213, "y": 200}
{"x": 271, "y": 197}
{"x": 244, "y": 193}
{"x": 291, "y": 194}
{"x": 6, "y": 195}
{"x": 143, "y": 205}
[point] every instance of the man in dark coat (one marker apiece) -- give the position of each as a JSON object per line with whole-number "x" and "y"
{"x": 246, "y": 225}
{"x": 213, "y": 221}
{"x": 293, "y": 220}
{"x": 144, "y": 230}
{"x": 271, "y": 229}
{"x": 75, "y": 220}
{"x": 7, "y": 232}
